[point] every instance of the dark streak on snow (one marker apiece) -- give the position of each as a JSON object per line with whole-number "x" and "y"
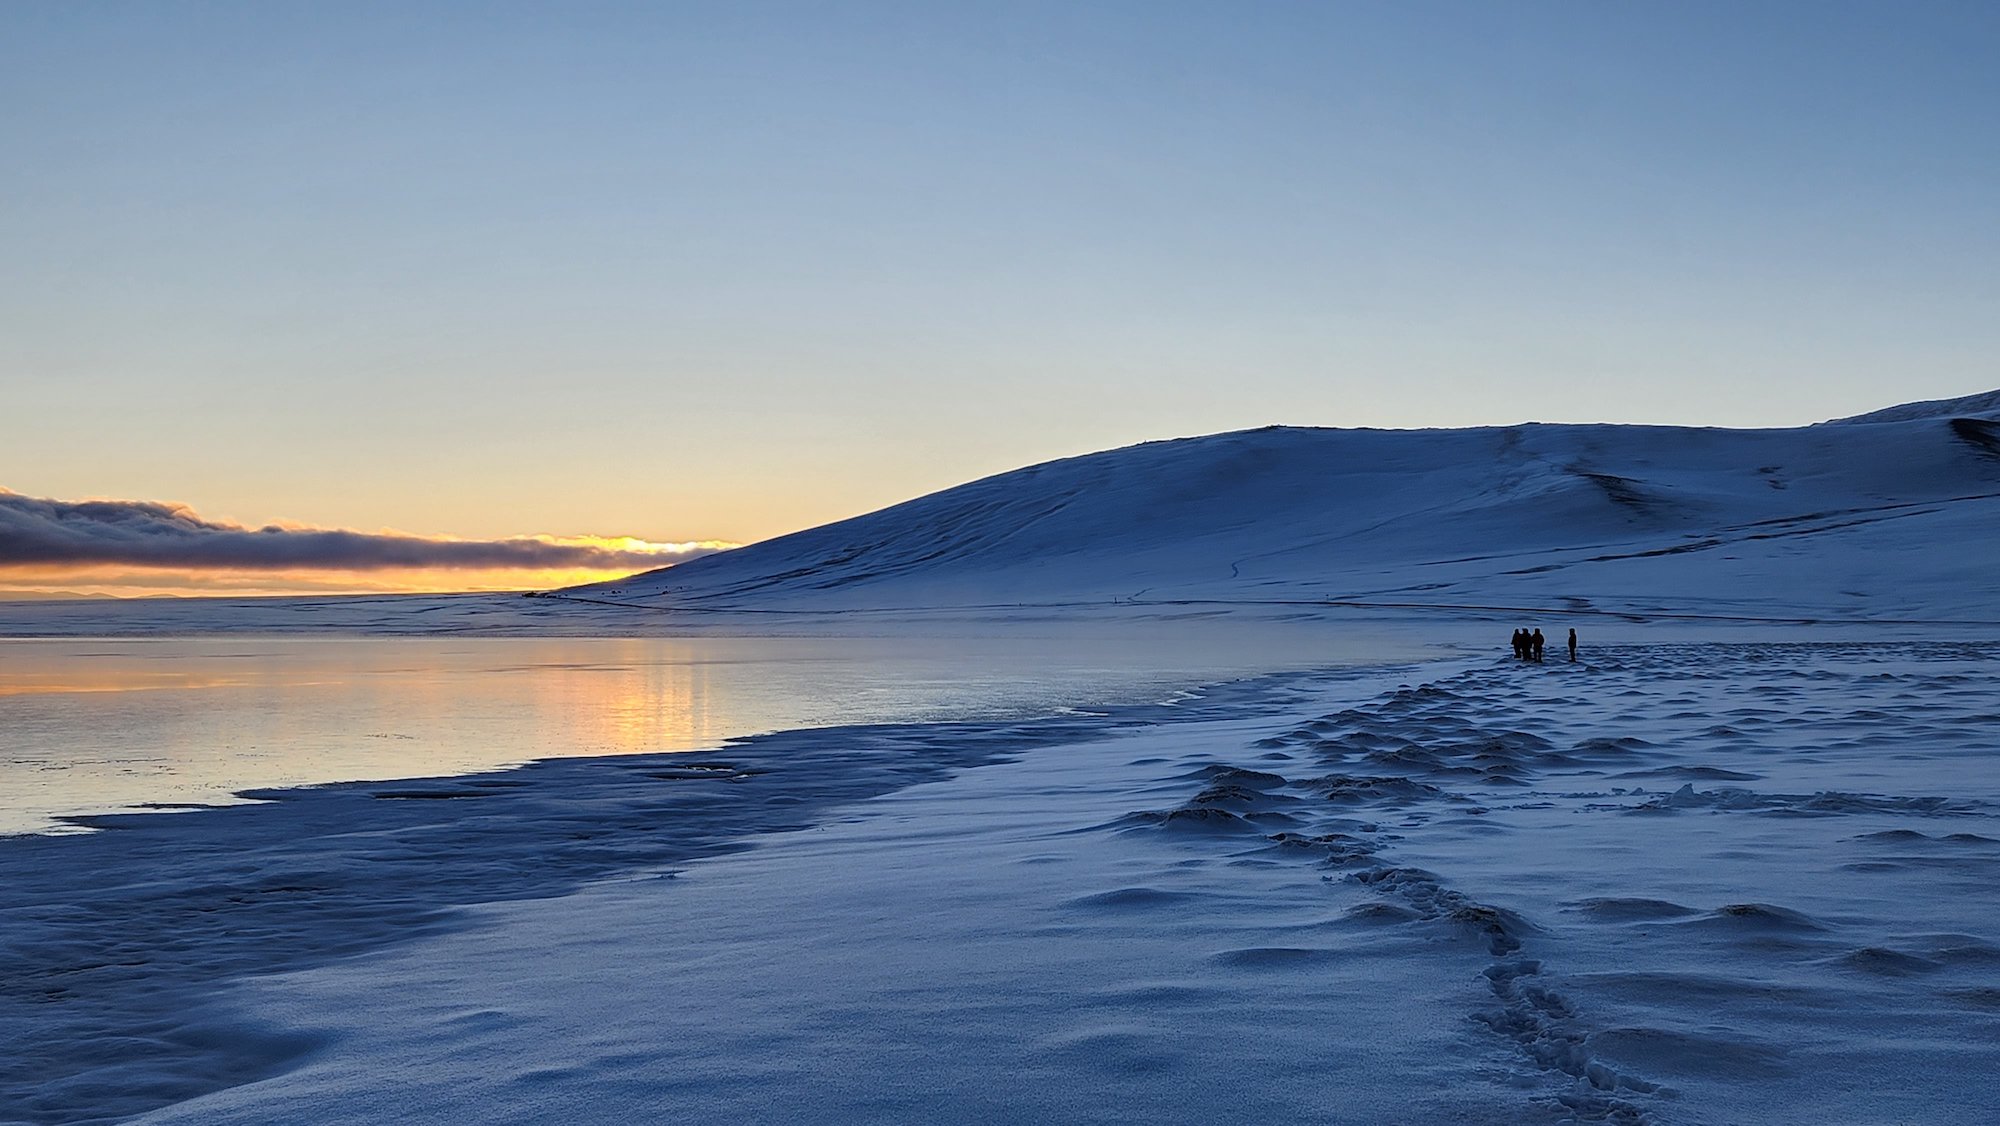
{"x": 1983, "y": 435}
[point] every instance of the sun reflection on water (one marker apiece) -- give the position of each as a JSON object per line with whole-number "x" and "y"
{"x": 92, "y": 725}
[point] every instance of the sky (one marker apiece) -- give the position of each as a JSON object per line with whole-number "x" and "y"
{"x": 694, "y": 273}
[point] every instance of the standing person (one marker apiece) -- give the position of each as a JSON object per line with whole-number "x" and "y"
{"x": 1536, "y": 643}
{"x": 1572, "y": 647}
{"x": 1517, "y": 644}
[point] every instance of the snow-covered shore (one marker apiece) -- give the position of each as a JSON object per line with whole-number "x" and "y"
{"x": 1679, "y": 883}
{"x": 1735, "y": 865}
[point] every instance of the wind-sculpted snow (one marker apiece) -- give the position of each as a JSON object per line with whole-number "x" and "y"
{"x": 1878, "y": 522}
{"x": 1673, "y": 884}
{"x": 111, "y": 939}
{"x": 1890, "y": 949}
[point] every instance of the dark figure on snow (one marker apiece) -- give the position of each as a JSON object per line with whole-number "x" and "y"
{"x": 1572, "y": 647}
{"x": 1520, "y": 645}
{"x": 1536, "y": 643}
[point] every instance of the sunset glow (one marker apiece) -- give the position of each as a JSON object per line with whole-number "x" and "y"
{"x": 109, "y": 547}
{"x": 93, "y": 582}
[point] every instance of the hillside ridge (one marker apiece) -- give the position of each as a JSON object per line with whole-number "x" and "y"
{"x": 1882, "y": 514}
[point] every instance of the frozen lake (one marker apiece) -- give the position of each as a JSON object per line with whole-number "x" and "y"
{"x": 97, "y": 725}
{"x": 1670, "y": 883}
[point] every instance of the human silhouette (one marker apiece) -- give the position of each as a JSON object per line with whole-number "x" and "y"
{"x": 1517, "y": 644}
{"x": 1572, "y": 647}
{"x": 1536, "y": 642}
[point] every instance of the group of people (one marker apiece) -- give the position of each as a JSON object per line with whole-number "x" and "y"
{"x": 1528, "y": 645}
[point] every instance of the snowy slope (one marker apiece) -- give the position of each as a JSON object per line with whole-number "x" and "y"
{"x": 1985, "y": 405}
{"x": 1890, "y": 520}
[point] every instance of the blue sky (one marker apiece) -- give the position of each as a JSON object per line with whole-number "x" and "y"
{"x": 720, "y": 271}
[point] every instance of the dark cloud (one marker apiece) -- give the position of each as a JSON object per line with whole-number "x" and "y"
{"x": 36, "y": 531}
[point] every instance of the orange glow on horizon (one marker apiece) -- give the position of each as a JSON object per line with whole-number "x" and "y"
{"x": 133, "y": 582}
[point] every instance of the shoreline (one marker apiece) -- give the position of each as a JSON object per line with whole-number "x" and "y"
{"x": 302, "y": 877}
{"x": 557, "y": 615}
{"x": 96, "y": 725}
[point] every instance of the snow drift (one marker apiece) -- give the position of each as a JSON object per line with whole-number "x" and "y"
{"x": 1888, "y": 515}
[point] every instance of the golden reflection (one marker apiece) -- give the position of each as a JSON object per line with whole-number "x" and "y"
{"x": 99, "y": 724}
{"x": 17, "y": 684}
{"x": 624, "y": 696}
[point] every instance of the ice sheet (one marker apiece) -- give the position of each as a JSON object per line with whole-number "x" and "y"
{"x": 1700, "y": 883}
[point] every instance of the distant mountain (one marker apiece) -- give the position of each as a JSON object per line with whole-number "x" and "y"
{"x": 1985, "y": 405}
{"x": 1896, "y": 519}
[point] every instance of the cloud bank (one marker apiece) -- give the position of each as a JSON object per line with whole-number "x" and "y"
{"x": 38, "y": 532}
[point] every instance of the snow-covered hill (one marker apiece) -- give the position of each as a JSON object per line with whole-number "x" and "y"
{"x": 1985, "y": 405}
{"x": 1895, "y": 519}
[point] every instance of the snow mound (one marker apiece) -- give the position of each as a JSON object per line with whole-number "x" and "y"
{"x": 1877, "y": 522}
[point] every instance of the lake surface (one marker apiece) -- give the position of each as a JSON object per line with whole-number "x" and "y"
{"x": 97, "y": 725}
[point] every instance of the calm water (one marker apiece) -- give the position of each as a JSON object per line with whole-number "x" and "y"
{"x": 97, "y": 725}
